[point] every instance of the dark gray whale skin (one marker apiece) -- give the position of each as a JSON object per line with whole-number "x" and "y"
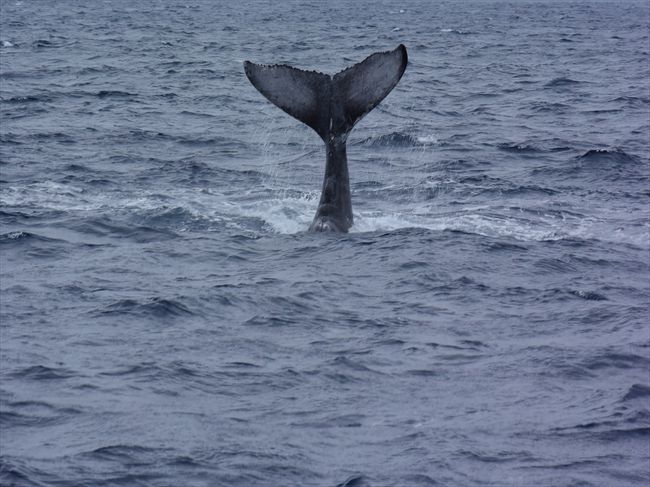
{"x": 331, "y": 105}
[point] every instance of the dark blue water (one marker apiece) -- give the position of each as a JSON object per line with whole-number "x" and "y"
{"x": 166, "y": 320}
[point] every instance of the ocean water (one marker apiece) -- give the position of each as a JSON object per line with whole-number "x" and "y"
{"x": 166, "y": 320}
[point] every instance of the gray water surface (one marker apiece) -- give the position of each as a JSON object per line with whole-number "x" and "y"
{"x": 166, "y": 320}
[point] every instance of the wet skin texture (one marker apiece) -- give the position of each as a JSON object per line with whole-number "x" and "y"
{"x": 331, "y": 105}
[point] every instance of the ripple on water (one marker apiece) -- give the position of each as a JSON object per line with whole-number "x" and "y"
{"x": 166, "y": 319}
{"x": 154, "y": 307}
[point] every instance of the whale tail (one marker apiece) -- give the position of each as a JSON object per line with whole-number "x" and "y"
{"x": 331, "y": 105}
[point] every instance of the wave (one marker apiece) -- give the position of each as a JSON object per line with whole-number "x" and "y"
{"x": 554, "y": 266}
{"x": 597, "y": 165}
{"x": 123, "y": 452}
{"x": 153, "y": 307}
{"x": 167, "y": 219}
{"x": 525, "y": 148}
{"x": 555, "y": 294}
{"x": 151, "y": 217}
{"x": 455, "y": 31}
{"x": 486, "y": 185}
{"x": 549, "y": 107}
{"x": 398, "y": 139}
{"x": 21, "y": 99}
{"x": 608, "y": 156}
{"x": 59, "y": 137}
{"x": 498, "y": 457}
{"x": 107, "y": 228}
{"x": 104, "y": 69}
{"x": 26, "y": 238}
{"x": 355, "y": 481}
{"x": 623, "y": 424}
{"x": 114, "y": 94}
{"x": 226, "y": 144}
{"x": 637, "y": 391}
{"x": 617, "y": 361}
{"x": 562, "y": 82}
{"x": 42, "y": 372}
{"x": 471, "y": 223}
{"x": 633, "y": 101}
{"x": 43, "y": 43}
{"x": 518, "y": 148}
{"x": 474, "y": 345}
{"x": 198, "y": 114}
{"x": 16, "y": 473}
{"x": 145, "y": 368}
{"x": 266, "y": 321}
{"x": 588, "y": 295}
{"x": 10, "y": 139}
{"x": 33, "y": 413}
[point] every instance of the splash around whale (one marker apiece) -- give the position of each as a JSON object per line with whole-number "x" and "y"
{"x": 331, "y": 105}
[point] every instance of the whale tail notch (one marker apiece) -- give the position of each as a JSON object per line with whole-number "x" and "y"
{"x": 331, "y": 105}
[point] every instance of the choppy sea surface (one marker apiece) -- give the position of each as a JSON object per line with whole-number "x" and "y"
{"x": 166, "y": 320}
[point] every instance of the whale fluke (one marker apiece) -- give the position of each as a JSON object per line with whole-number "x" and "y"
{"x": 364, "y": 85}
{"x": 331, "y": 105}
{"x": 299, "y": 93}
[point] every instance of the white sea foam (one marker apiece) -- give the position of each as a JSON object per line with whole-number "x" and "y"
{"x": 486, "y": 225}
{"x": 284, "y": 215}
{"x": 287, "y": 212}
{"x": 427, "y": 139}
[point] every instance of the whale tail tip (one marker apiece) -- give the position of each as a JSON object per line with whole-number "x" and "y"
{"x": 331, "y": 105}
